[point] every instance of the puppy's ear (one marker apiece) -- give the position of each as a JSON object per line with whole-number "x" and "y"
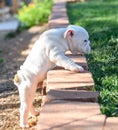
{"x": 69, "y": 33}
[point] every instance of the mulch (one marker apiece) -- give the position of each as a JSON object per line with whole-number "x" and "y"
{"x": 14, "y": 52}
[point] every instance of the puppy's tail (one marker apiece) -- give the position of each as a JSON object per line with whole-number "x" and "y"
{"x": 16, "y": 79}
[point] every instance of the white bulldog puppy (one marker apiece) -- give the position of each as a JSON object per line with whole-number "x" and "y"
{"x": 48, "y": 52}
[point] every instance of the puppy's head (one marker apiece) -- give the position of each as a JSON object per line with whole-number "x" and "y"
{"x": 78, "y": 39}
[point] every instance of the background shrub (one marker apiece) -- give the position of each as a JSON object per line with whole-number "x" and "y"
{"x": 35, "y": 13}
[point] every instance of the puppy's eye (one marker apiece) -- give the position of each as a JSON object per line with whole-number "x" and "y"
{"x": 85, "y": 40}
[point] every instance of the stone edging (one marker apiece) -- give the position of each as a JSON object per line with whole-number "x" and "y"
{"x": 61, "y": 112}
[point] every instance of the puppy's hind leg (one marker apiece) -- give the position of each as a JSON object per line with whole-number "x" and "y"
{"x": 24, "y": 93}
{"x": 32, "y": 111}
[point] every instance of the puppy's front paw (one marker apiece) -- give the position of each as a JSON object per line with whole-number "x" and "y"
{"x": 77, "y": 68}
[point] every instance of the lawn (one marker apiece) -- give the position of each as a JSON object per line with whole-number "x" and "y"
{"x": 100, "y": 18}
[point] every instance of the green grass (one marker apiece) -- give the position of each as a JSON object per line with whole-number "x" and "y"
{"x": 100, "y": 18}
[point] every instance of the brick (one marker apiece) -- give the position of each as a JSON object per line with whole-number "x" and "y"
{"x": 111, "y": 123}
{"x": 59, "y": 17}
{"x": 64, "y": 114}
{"x": 64, "y": 79}
{"x": 58, "y": 23}
{"x": 72, "y": 95}
{"x": 56, "y": 14}
{"x": 95, "y": 122}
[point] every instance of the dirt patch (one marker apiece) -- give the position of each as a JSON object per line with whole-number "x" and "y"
{"x": 14, "y": 52}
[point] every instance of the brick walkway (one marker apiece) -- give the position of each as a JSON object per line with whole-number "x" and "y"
{"x": 70, "y": 102}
